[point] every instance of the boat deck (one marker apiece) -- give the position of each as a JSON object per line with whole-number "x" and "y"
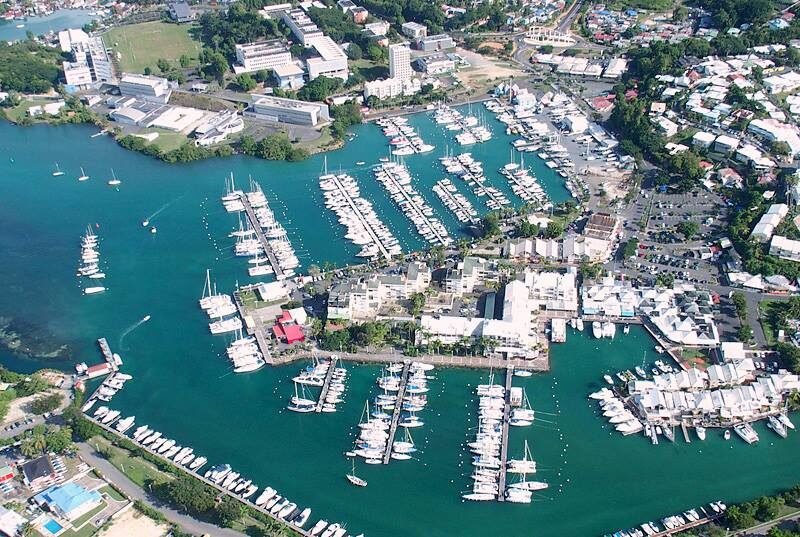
{"x": 251, "y": 215}
{"x": 398, "y": 406}
{"x": 501, "y": 485}
{"x": 361, "y": 218}
{"x": 326, "y": 385}
{"x": 413, "y": 206}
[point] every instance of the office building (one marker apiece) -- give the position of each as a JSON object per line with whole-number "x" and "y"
{"x": 293, "y": 112}
{"x": 391, "y": 87}
{"x": 301, "y": 25}
{"x": 151, "y": 88}
{"x": 251, "y": 57}
{"x": 90, "y": 62}
{"x": 331, "y": 61}
{"x": 414, "y": 30}
{"x": 435, "y": 42}
{"x": 400, "y": 61}
{"x": 289, "y": 76}
{"x": 436, "y": 64}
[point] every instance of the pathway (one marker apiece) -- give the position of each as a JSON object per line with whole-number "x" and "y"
{"x": 120, "y": 480}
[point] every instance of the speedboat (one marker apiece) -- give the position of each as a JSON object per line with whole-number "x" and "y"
{"x": 701, "y": 432}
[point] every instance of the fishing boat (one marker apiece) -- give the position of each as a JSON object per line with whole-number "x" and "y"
{"x": 114, "y": 181}
{"x": 83, "y": 176}
{"x": 354, "y": 479}
{"x": 57, "y": 172}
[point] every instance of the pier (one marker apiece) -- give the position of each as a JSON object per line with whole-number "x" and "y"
{"x": 251, "y": 215}
{"x": 254, "y": 329}
{"x": 361, "y": 218}
{"x": 501, "y": 484}
{"x": 412, "y": 206}
{"x": 455, "y": 203}
{"x": 326, "y": 385}
{"x": 113, "y": 361}
{"x": 685, "y": 433}
{"x": 196, "y": 475}
{"x": 398, "y": 406}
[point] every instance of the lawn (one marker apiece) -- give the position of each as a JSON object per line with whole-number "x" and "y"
{"x": 138, "y": 470}
{"x": 21, "y": 110}
{"x": 141, "y": 45}
{"x": 167, "y": 140}
{"x": 112, "y": 493}
{"x": 768, "y": 317}
{"x": 83, "y": 519}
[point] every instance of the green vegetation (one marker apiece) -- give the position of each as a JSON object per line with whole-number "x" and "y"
{"x": 142, "y": 45}
{"x": 113, "y": 493}
{"x": 29, "y": 67}
{"x": 319, "y": 89}
{"x": 630, "y": 248}
{"x": 490, "y": 224}
{"x": 745, "y": 334}
{"x": 42, "y": 439}
{"x": 344, "y": 116}
{"x": 46, "y": 403}
{"x": 186, "y": 152}
{"x": 273, "y": 147}
{"x": 665, "y": 279}
{"x": 729, "y": 13}
{"x": 649, "y": 5}
{"x": 740, "y": 303}
{"x": 688, "y": 229}
{"x": 83, "y": 519}
{"x": 221, "y": 31}
{"x": 590, "y": 271}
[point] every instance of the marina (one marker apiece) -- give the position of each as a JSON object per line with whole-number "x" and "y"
{"x": 364, "y": 228}
{"x": 397, "y": 181}
{"x": 471, "y": 172}
{"x": 404, "y": 139}
{"x": 458, "y": 204}
{"x": 169, "y": 364}
{"x": 470, "y": 130}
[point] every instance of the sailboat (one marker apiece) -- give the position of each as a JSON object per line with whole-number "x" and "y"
{"x": 58, "y": 172}
{"x": 114, "y": 181}
{"x": 83, "y": 176}
{"x": 523, "y": 466}
{"x": 301, "y": 403}
{"x": 354, "y": 479}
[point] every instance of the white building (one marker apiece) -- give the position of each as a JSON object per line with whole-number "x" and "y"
{"x": 576, "y": 123}
{"x": 289, "y": 111}
{"x": 725, "y": 144}
{"x": 400, "y": 61}
{"x": 414, "y": 30}
{"x": 783, "y": 83}
{"x": 301, "y": 25}
{"x": 252, "y": 57}
{"x": 703, "y": 139}
{"x": 552, "y": 291}
{"x": 90, "y": 62}
{"x": 468, "y": 274}
{"x": 391, "y": 87}
{"x": 785, "y": 248}
{"x": 331, "y": 61}
{"x": 777, "y": 131}
{"x": 770, "y": 220}
{"x": 289, "y": 75}
{"x": 151, "y": 88}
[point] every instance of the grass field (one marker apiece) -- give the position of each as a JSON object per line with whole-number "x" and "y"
{"x": 141, "y": 45}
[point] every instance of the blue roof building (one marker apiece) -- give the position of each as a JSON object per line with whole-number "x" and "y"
{"x": 69, "y": 500}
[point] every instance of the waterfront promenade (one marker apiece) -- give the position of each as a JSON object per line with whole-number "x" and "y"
{"x": 205, "y": 481}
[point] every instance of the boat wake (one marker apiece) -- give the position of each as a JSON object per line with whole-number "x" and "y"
{"x": 130, "y": 329}
{"x": 161, "y": 209}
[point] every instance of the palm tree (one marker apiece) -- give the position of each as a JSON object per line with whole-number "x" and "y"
{"x": 33, "y": 445}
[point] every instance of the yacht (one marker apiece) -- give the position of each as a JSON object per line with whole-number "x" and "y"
{"x": 597, "y": 329}
{"x": 93, "y": 290}
{"x": 776, "y": 425}
{"x": 354, "y": 479}
{"x": 746, "y": 432}
{"x": 301, "y": 519}
{"x": 114, "y": 181}
{"x": 609, "y": 379}
{"x": 701, "y": 432}
{"x": 784, "y": 419}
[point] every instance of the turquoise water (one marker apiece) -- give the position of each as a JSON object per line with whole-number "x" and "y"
{"x": 55, "y": 22}
{"x": 600, "y": 481}
{"x": 53, "y": 527}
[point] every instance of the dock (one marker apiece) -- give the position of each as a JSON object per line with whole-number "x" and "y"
{"x": 361, "y": 218}
{"x": 326, "y": 385}
{"x": 398, "y": 406}
{"x": 501, "y": 483}
{"x": 113, "y": 361}
{"x": 251, "y": 215}
{"x": 254, "y": 329}
{"x": 237, "y": 497}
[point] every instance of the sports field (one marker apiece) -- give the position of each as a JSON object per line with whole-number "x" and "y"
{"x": 141, "y": 45}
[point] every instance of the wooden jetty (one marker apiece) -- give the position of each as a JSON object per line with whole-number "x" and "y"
{"x": 398, "y": 406}
{"x": 326, "y": 385}
{"x": 251, "y": 215}
{"x": 501, "y": 484}
{"x": 196, "y": 475}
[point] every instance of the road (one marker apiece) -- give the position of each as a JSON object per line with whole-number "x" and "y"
{"x": 38, "y": 420}
{"x": 187, "y": 523}
{"x": 789, "y": 522}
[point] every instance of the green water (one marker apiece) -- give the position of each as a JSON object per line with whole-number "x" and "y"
{"x": 182, "y": 385}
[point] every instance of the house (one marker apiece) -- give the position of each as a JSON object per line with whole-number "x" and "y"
{"x": 39, "y": 473}
{"x": 287, "y": 329}
{"x": 730, "y": 178}
{"x": 180, "y": 12}
{"x": 359, "y": 15}
{"x": 703, "y": 140}
{"x": 6, "y": 474}
{"x": 773, "y": 130}
{"x": 10, "y": 522}
{"x": 770, "y": 220}
{"x": 725, "y": 144}
{"x": 69, "y": 501}
{"x": 785, "y": 248}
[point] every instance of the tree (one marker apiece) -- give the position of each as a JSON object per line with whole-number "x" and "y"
{"x": 58, "y": 439}
{"x": 781, "y": 148}
{"x": 245, "y": 82}
{"x": 417, "y": 303}
{"x": 319, "y": 89}
{"x": 740, "y": 516}
{"x": 745, "y": 333}
{"x": 46, "y": 403}
{"x": 354, "y": 52}
{"x": 184, "y": 61}
{"x": 768, "y": 507}
{"x": 740, "y": 303}
{"x": 665, "y": 279}
{"x": 148, "y": 71}
{"x": 33, "y": 445}
{"x": 554, "y": 230}
{"x": 590, "y": 271}
{"x": 163, "y": 65}
{"x": 630, "y": 248}
{"x": 688, "y": 229}
{"x": 490, "y": 224}
{"x": 229, "y": 511}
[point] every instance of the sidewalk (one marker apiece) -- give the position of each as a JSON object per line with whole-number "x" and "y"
{"x": 131, "y": 490}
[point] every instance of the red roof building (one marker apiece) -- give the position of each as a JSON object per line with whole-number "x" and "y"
{"x": 287, "y": 330}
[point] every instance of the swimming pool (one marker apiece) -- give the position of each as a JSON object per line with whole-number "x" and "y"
{"x": 53, "y": 527}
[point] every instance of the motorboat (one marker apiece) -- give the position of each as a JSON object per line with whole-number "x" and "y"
{"x": 597, "y": 329}
{"x": 746, "y": 432}
{"x": 701, "y": 432}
